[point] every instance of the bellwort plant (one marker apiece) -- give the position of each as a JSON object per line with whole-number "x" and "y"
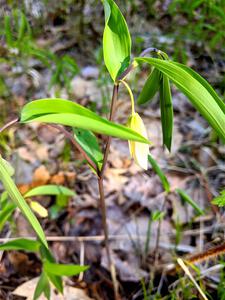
{"x": 82, "y": 123}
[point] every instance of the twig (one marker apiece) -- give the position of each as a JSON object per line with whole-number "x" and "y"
{"x": 9, "y": 124}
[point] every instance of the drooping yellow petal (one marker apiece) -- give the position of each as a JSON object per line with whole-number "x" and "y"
{"x": 39, "y": 209}
{"x": 139, "y": 151}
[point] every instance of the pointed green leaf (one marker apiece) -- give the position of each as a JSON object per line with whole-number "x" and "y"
{"x": 5, "y": 214}
{"x": 150, "y": 88}
{"x": 160, "y": 173}
{"x": 166, "y": 108}
{"x": 219, "y": 200}
{"x": 43, "y": 286}
{"x": 15, "y": 195}
{"x": 8, "y": 167}
{"x": 205, "y": 83}
{"x": 63, "y": 270}
{"x": 89, "y": 144}
{"x": 49, "y": 189}
{"x": 116, "y": 40}
{"x": 21, "y": 244}
{"x": 186, "y": 198}
{"x": 67, "y": 113}
{"x": 56, "y": 280}
{"x": 196, "y": 89}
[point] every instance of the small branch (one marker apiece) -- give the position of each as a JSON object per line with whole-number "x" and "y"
{"x": 9, "y": 124}
{"x": 77, "y": 145}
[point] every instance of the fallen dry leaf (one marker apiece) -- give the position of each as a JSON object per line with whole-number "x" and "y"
{"x": 70, "y": 293}
{"x": 41, "y": 176}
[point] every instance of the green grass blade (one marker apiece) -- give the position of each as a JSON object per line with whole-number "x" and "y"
{"x": 195, "y": 88}
{"x": 116, "y": 40}
{"x": 186, "y": 198}
{"x": 150, "y": 88}
{"x": 160, "y": 173}
{"x": 17, "y": 198}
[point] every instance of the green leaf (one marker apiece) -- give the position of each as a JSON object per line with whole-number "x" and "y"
{"x": 151, "y": 87}
{"x": 196, "y": 89}
{"x": 157, "y": 215}
{"x": 219, "y": 200}
{"x": 186, "y": 198}
{"x": 63, "y": 270}
{"x": 116, "y": 40}
{"x": 89, "y": 144}
{"x": 160, "y": 173}
{"x": 67, "y": 113}
{"x": 43, "y": 286}
{"x": 56, "y": 280}
{"x": 166, "y": 108}
{"x": 8, "y": 167}
{"x": 21, "y": 244}
{"x": 49, "y": 189}
{"x": 8, "y": 31}
{"x": 15, "y": 195}
{"x": 5, "y": 214}
{"x": 205, "y": 83}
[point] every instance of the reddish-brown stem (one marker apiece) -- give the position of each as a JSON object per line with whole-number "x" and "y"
{"x": 102, "y": 196}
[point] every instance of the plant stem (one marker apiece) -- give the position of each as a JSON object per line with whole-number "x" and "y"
{"x": 111, "y": 116}
{"x": 9, "y": 124}
{"x": 102, "y": 196}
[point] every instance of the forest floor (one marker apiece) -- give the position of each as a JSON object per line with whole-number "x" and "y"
{"x": 41, "y": 155}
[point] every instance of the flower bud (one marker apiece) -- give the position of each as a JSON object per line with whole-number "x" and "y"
{"x": 139, "y": 151}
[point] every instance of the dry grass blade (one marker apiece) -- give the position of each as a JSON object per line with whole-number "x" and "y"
{"x": 187, "y": 272}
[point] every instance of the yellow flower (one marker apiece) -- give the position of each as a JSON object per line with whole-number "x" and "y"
{"x": 139, "y": 151}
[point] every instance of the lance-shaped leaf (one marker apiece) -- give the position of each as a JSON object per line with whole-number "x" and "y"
{"x": 67, "y": 113}
{"x": 17, "y": 198}
{"x": 116, "y": 40}
{"x": 159, "y": 172}
{"x": 21, "y": 244}
{"x": 5, "y": 213}
{"x": 196, "y": 89}
{"x": 166, "y": 108}
{"x": 186, "y": 198}
{"x": 89, "y": 144}
{"x": 43, "y": 286}
{"x": 63, "y": 270}
{"x": 151, "y": 86}
{"x": 49, "y": 189}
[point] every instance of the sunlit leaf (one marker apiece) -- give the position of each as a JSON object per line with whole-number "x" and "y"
{"x": 196, "y": 89}
{"x": 15, "y": 195}
{"x": 65, "y": 112}
{"x": 219, "y": 200}
{"x": 116, "y": 40}
{"x": 43, "y": 286}
{"x": 21, "y": 244}
{"x": 49, "y": 189}
{"x": 63, "y": 270}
